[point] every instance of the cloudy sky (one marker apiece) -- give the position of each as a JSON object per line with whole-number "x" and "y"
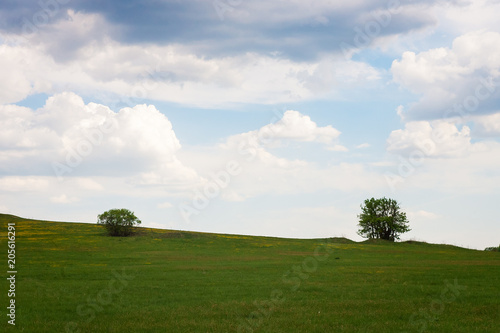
{"x": 254, "y": 117}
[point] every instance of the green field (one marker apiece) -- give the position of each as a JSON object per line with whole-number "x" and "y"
{"x": 71, "y": 277}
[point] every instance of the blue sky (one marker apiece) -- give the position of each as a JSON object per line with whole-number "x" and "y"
{"x": 256, "y": 117}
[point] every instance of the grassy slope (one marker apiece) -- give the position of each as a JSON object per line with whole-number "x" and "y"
{"x": 195, "y": 282}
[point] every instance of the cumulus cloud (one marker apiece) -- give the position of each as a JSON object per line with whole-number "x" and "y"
{"x": 296, "y": 126}
{"x": 67, "y": 137}
{"x": 452, "y": 82}
{"x": 442, "y": 154}
{"x": 292, "y": 127}
{"x": 434, "y": 139}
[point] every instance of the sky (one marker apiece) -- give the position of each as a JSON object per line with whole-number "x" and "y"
{"x": 264, "y": 117}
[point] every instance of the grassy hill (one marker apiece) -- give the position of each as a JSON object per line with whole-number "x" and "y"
{"x": 71, "y": 277}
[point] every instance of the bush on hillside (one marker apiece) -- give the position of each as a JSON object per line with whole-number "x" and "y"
{"x": 118, "y": 222}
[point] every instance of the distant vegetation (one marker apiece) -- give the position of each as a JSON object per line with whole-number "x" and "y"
{"x": 382, "y": 219}
{"x": 118, "y": 222}
{"x": 494, "y": 249}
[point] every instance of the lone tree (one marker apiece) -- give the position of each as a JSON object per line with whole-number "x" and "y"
{"x": 382, "y": 219}
{"x": 118, "y": 222}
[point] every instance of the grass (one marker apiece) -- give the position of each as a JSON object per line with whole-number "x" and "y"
{"x": 73, "y": 278}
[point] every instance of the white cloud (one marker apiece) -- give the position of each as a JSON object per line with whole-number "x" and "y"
{"x": 15, "y": 120}
{"x": 122, "y": 73}
{"x": 68, "y": 137}
{"x": 15, "y": 84}
{"x": 264, "y": 173}
{"x": 137, "y": 148}
{"x": 470, "y": 16}
{"x": 292, "y": 126}
{"x": 452, "y": 82}
{"x": 299, "y": 127}
{"x": 432, "y": 139}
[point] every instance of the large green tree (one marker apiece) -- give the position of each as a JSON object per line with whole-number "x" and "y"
{"x": 382, "y": 219}
{"x": 118, "y": 222}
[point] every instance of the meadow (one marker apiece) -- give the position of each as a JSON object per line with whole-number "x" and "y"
{"x": 72, "y": 277}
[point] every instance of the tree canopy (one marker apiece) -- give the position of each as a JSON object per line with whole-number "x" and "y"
{"x": 118, "y": 222}
{"x": 382, "y": 219}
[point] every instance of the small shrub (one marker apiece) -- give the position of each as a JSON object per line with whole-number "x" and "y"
{"x": 118, "y": 222}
